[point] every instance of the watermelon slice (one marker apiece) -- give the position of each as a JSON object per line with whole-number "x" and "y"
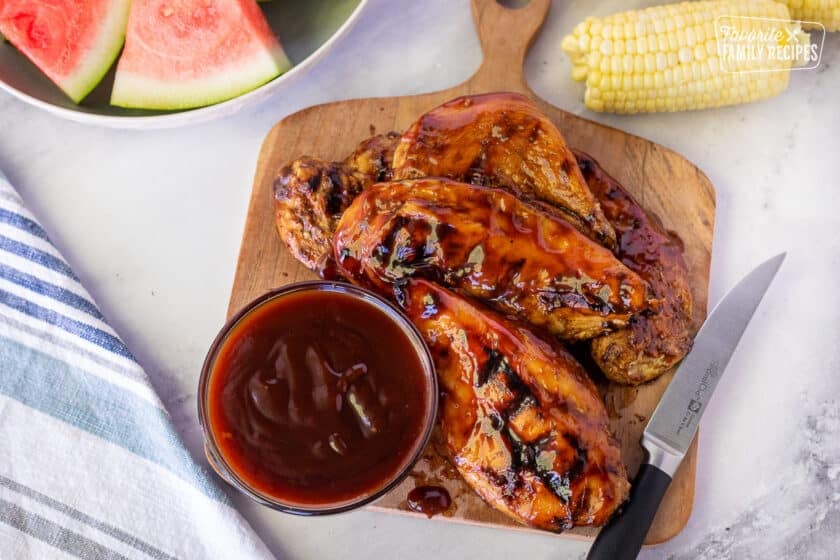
{"x": 181, "y": 54}
{"x": 73, "y": 42}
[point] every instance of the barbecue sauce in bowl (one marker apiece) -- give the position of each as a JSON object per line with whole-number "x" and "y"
{"x": 318, "y": 398}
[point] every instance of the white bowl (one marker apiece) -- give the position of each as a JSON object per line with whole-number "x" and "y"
{"x": 307, "y": 29}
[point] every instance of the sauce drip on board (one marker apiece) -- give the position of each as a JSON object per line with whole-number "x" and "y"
{"x": 317, "y": 397}
{"x": 429, "y": 500}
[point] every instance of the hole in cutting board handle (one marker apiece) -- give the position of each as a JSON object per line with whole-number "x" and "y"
{"x": 513, "y": 4}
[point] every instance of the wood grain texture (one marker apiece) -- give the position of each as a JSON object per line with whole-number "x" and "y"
{"x": 661, "y": 180}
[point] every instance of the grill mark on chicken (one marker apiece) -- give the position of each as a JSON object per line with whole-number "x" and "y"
{"x": 563, "y": 281}
{"x": 494, "y": 361}
{"x": 522, "y": 421}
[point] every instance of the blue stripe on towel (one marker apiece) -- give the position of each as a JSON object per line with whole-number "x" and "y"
{"x": 91, "y": 334}
{"x": 36, "y": 256}
{"x": 23, "y": 223}
{"x": 98, "y": 407}
{"x": 44, "y": 288}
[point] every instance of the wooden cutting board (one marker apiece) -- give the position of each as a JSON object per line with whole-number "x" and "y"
{"x": 662, "y": 181}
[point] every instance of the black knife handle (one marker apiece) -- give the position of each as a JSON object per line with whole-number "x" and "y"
{"x": 622, "y": 537}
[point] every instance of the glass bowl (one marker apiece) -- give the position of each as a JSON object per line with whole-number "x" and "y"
{"x": 224, "y": 468}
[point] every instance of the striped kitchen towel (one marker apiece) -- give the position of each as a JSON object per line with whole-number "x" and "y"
{"x": 90, "y": 466}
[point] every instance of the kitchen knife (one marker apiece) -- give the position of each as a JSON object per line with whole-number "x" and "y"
{"x": 674, "y": 422}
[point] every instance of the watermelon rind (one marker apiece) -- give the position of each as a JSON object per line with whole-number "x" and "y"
{"x": 102, "y": 55}
{"x": 133, "y": 91}
{"x": 96, "y": 63}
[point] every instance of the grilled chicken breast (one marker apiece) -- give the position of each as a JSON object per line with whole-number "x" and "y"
{"x": 523, "y": 423}
{"x": 310, "y": 195}
{"x": 487, "y": 244}
{"x": 656, "y": 339}
{"x": 502, "y": 140}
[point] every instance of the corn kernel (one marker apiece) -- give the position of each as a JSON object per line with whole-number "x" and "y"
{"x": 583, "y": 43}
{"x": 658, "y": 80}
{"x": 673, "y": 59}
{"x": 638, "y": 64}
{"x": 619, "y": 47}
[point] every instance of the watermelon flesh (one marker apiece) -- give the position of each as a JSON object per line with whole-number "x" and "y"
{"x": 73, "y": 42}
{"x": 181, "y": 54}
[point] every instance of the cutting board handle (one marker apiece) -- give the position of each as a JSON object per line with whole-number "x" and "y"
{"x": 505, "y": 34}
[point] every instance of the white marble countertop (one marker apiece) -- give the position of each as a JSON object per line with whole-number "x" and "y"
{"x": 151, "y": 222}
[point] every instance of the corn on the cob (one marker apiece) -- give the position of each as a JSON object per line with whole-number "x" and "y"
{"x": 826, "y": 12}
{"x": 667, "y": 58}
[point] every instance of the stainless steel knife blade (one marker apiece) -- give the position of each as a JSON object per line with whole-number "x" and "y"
{"x": 674, "y": 422}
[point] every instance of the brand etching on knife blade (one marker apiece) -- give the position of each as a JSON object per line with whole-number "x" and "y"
{"x": 695, "y": 404}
